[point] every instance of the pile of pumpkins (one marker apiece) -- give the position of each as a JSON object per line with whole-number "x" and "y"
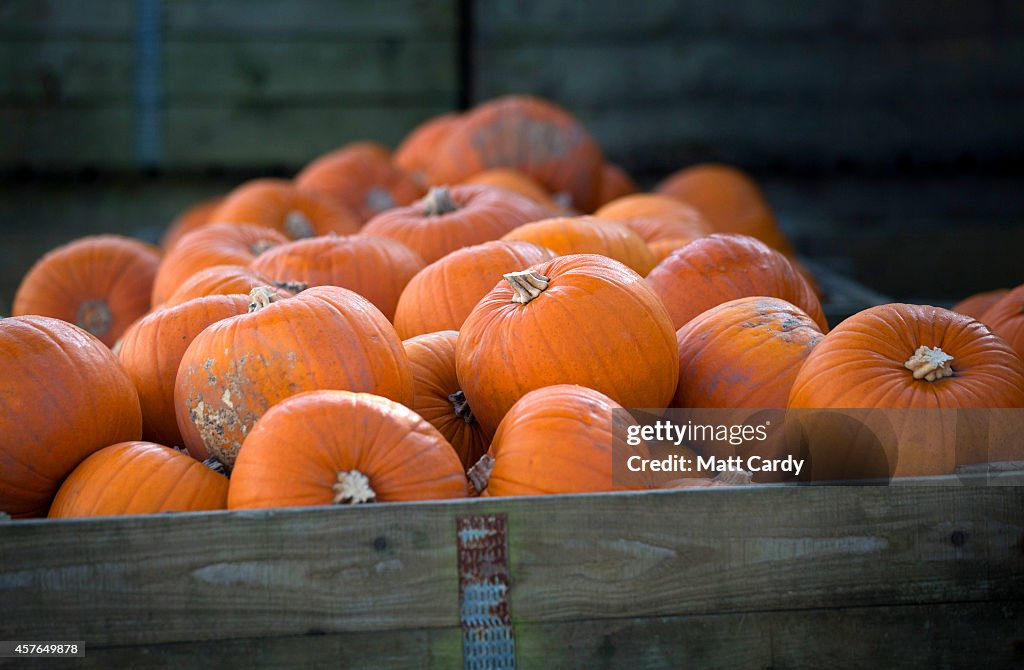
{"x": 465, "y": 315}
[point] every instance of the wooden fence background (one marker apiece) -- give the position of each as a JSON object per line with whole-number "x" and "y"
{"x": 878, "y": 128}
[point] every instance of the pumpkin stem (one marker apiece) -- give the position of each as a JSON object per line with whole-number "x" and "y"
{"x": 261, "y": 296}
{"x": 461, "y": 407}
{"x": 297, "y": 225}
{"x": 733, "y": 478}
{"x": 930, "y": 363}
{"x": 439, "y": 201}
{"x": 527, "y": 284}
{"x": 215, "y": 465}
{"x": 94, "y": 316}
{"x": 480, "y": 474}
{"x": 352, "y": 487}
{"x": 292, "y": 286}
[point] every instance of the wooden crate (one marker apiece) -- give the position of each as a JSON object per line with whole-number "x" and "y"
{"x": 920, "y": 574}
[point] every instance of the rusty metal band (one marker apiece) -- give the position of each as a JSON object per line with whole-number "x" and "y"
{"x": 484, "y": 612}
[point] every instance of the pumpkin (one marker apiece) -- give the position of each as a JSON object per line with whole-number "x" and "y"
{"x": 1006, "y": 318}
{"x": 209, "y": 246}
{"x": 100, "y": 283}
{"x": 449, "y": 219}
{"x": 228, "y": 280}
{"x": 438, "y": 398}
{"x": 376, "y": 268}
{"x": 151, "y": 351}
{"x": 561, "y": 439}
{"x": 588, "y": 235}
{"x": 528, "y": 134}
{"x": 729, "y": 200}
{"x": 615, "y": 183}
{"x": 715, "y": 269}
{"x": 195, "y": 216}
{"x": 514, "y": 180}
{"x": 62, "y": 397}
{"x": 361, "y": 179}
{"x": 441, "y": 296}
{"x": 326, "y": 337}
{"x": 902, "y": 357}
{"x": 657, "y": 219}
{"x": 416, "y": 151}
{"x": 139, "y": 478}
{"x": 281, "y": 205}
{"x": 580, "y": 319}
{"x": 977, "y": 304}
{"x": 335, "y": 447}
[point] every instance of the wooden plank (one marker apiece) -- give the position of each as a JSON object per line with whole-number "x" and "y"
{"x": 541, "y": 20}
{"x": 146, "y": 580}
{"x": 101, "y": 73}
{"x": 67, "y": 18}
{"x": 926, "y": 637}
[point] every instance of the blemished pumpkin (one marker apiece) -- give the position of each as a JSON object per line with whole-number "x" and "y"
{"x": 1006, "y": 318}
{"x": 361, "y": 179}
{"x": 101, "y": 283}
{"x": 418, "y": 148}
{"x": 903, "y": 357}
{"x": 711, "y": 270}
{"x": 194, "y": 216}
{"x": 326, "y": 337}
{"x": 337, "y": 448}
{"x": 376, "y": 268}
{"x": 437, "y": 396}
{"x": 447, "y": 219}
{"x": 281, "y": 205}
{"x": 139, "y": 478}
{"x": 581, "y": 319}
{"x": 977, "y": 304}
{"x": 151, "y": 351}
{"x": 442, "y": 295}
{"x": 615, "y": 183}
{"x": 228, "y": 280}
{"x": 62, "y": 397}
{"x": 562, "y": 438}
{"x": 729, "y": 199}
{"x": 209, "y": 246}
{"x": 528, "y": 134}
{"x": 588, "y": 235}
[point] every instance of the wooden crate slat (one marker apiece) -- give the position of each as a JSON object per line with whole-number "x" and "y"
{"x": 147, "y": 579}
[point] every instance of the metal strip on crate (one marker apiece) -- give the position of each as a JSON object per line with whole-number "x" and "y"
{"x": 148, "y": 82}
{"x": 484, "y": 612}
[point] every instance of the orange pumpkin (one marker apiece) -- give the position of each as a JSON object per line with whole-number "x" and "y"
{"x": 514, "y": 180}
{"x": 152, "y": 349}
{"x": 361, "y": 179}
{"x": 657, "y": 219}
{"x": 139, "y": 478}
{"x": 615, "y": 183}
{"x": 561, "y": 439}
{"x": 228, "y": 280}
{"x": 528, "y": 134}
{"x": 324, "y": 338}
{"x": 711, "y": 270}
{"x": 976, "y": 305}
{"x": 62, "y": 397}
{"x": 193, "y": 217}
{"x": 418, "y": 148}
{"x": 335, "y": 447}
{"x": 442, "y": 295}
{"x": 376, "y": 268}
{"x": 729, "y": 200}
{"x": 588, "y": 235}
{"x": 209, "y": 246}
{"x": 580, "y": 319}
{"x": 1006, "y": 318}
{"x": 449, "y": 219}
{"x": 438, "y": 398}
{"x": 902, "y": 357}
{"x": 100, "y": 283}
{"x": 281, "y": 205}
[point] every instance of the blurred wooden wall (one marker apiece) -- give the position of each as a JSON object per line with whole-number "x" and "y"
{"x": 873, "y": 125}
